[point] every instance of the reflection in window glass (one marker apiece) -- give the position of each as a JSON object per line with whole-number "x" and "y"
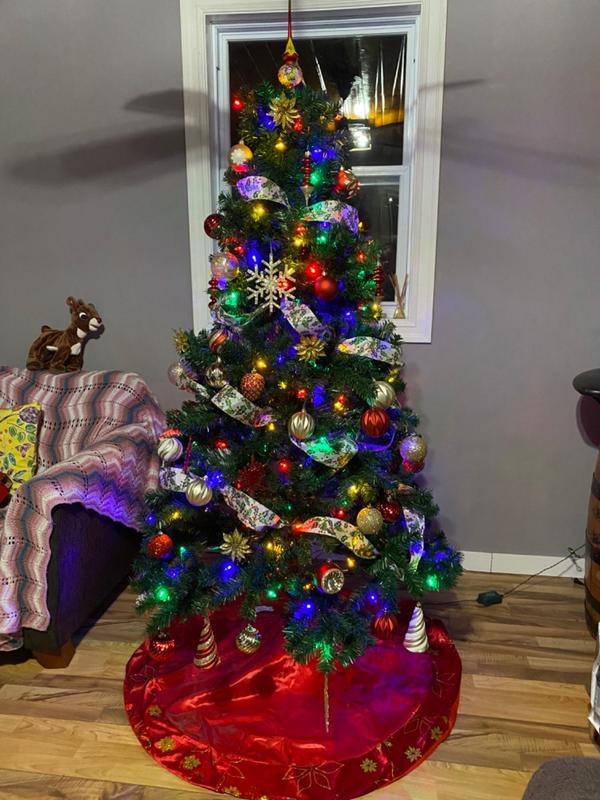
{"x": 365, "y": 73}
{"x": 377, "y": 204}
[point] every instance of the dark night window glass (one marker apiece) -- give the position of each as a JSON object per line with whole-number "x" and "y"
{"x": 366, "y": 73}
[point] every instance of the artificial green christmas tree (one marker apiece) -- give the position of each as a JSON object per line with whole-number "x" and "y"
{"x": 289, "y": 475}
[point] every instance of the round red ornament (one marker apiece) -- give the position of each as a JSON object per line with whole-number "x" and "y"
{"x": 390, "y": 510}
{"x": 326, "y": 288}
{"x": 161, "y": 646}
{"x": 252, "y": 385}
{"x": 374, "y": 422}
{"x": 413, "y": 466}
{"x": 384, "y": 626}
{"x": 211, "y": 225}
{"x": 159, "y": 546}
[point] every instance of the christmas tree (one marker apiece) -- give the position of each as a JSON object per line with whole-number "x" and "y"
{"x": 290, "y": 477}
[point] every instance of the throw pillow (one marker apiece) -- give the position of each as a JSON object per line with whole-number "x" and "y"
{"x": 18, "y": 442}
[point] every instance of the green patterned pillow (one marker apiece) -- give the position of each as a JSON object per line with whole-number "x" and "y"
{"x": 19, "y": 442}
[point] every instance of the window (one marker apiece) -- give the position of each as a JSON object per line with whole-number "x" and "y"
{"x": 372, "y": 58}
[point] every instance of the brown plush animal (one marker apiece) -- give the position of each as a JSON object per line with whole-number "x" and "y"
{"x": 62, "y": 351}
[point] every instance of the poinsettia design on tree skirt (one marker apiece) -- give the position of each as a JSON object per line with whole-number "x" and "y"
{"x": 305, "y": 777}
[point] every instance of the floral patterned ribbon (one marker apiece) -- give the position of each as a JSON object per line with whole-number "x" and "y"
{"x": 302, "y": 319}
{"x": 343, "y": 531}
{"x": 176, "y": 479}
{"x": 415, "y": 522}
{"x": 369, "y": 347}
{"x": 333, "y": 211}
{"x": 232, "y": 402}
{"x": 334, "y": 453}
{"x": 250, "y": 511}
{"x": 257, "y": 187}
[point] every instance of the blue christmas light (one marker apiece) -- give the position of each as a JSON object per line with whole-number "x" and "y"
{"x": 174, "y": 572}
{"x": 305, "y": 610}
{"x": 280, "y": 359}
{"x": 214, "y": 479}
{"x": 265, "y": 119}
{"x": 253, "y": 254}
{"x": 416, "y": 549}
{"x": 317, "y": 154}
{"x": 228, "y": 570}
{"x": 319, "y": 395}
{"x": 150, "y": 519}
{"x": 373, "y": 597}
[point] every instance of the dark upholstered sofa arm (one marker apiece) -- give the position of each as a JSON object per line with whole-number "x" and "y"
{"x": 90, "y": 561}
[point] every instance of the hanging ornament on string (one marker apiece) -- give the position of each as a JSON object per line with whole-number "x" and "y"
{"x": 325, "y": 288}
{"x": 301, "y": 425}
{"x": 413, "y": 448}
{"x": 239, "y": 157}
{"x": 252, "y": 385}
{"x": 248, "y": 640}
{"x": 330, "y": 578}
{"x": 374, "y": 422}
{"x": 390, "y": 510}
{"x": 207, "y": 655}
{"x": 305, "y": 169}
{"x": 198, "y": 492}
{"x": 170, "y": 449}
{"x": 215, "y": 375}
{"x": 223, "y": 266}
{"x": 161, "y": 647}
{"x": 384, "y": 626}
{"x": 211, "y": 225}
{"x": 369, "y": 521}
{"x": 385, "y": 395}
{"x": 159, "y": 546}
{"x": 347, "y": 183}
{"x": 217, "y": 339}
{"x": 290, "y": 74}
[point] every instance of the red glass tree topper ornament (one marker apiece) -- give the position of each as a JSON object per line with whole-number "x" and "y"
{"x": 374, "y": 422}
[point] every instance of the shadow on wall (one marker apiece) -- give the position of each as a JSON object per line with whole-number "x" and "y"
{"x": 119, "y": 159}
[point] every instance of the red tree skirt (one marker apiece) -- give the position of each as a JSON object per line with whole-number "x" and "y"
{"x": 254, "y": 725}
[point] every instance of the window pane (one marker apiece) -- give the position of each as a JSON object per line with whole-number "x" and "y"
{"x": 366, "y": 73}
{"x": 377, "y": 204}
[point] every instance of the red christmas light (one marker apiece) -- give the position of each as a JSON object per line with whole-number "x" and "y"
{"x": 302, "y": 394}
{"x": 340, "y": 513}
{"x": 284, "y": 465}
{"x": 298, "y": 125}
{"x": 360, "y": 256}
{"x": 221, "y": 444}
{"x": 313, "y": 270}
{"x": 237, "y": 104}
{"x": 297, "y": 527}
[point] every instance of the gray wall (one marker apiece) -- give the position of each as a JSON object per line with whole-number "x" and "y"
{"x": 93, "y": 202}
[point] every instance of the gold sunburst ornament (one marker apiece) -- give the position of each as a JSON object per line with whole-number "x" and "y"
{"x": 283, "y": 111}
{"x": 235, "y": 545}
{"x": 310, "y": 348}
{"x": 180, "y": 340}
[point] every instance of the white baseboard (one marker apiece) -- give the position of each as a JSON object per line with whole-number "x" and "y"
{"x": 518, "y": 564}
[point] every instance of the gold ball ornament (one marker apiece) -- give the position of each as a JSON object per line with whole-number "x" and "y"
{"x": 301, "y": 425}
{"x": 369, "y": 521}
{"x": 248, "y": 640}
{"x": 385, "y": 395}
{"x": 170, "y": 449}
{"x": 223, "y": 265}
{"x": 239, "y": 156}
{"x": 290, "y": 75}
{"x": 215, "y": 375}
{"x": 198, "y": 492}
{"x": 413, "y": 448}
{"x": 252, "y": 385}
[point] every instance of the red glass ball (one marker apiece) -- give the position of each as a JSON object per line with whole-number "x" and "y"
{"x": 413, "y": 466}
{"x": 390, "y": 510}
{"x": 374, "y": 422}
{"x": 326, "y": 288}
{"x": 384, "y": 626}
{"x": 161, "y": 646}
{"x": 211, "y": 225}
{"x": 160, "y": 546}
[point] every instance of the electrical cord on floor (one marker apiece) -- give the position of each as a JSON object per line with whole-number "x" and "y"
{"x": 492, "y": 597}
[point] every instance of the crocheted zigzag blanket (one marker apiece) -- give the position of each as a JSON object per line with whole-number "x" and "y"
{"x": 96, "y": 447}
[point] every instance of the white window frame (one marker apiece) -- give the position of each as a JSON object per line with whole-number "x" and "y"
{"x": 206, "y": 26}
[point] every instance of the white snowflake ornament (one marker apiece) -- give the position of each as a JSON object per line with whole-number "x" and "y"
{"x": 271, "y": 285}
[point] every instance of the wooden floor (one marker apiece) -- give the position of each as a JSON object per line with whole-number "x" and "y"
{"x": 63, "y": 734}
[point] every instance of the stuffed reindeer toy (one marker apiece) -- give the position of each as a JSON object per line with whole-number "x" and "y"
{"x": 62, "y": 351}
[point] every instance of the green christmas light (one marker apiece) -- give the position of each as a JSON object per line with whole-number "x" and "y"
{"x": 272, "y": 594}
{"x": 162, "y": 594}
{"x": 232, "y": 299}
{"x": 183, "y": 551}
{"x": 326, "y": 650}
{"x": 322, "y": 238}
{"x": 433, "y": 582}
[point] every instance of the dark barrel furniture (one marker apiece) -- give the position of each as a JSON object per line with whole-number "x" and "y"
{"x": 588, "y": 385}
